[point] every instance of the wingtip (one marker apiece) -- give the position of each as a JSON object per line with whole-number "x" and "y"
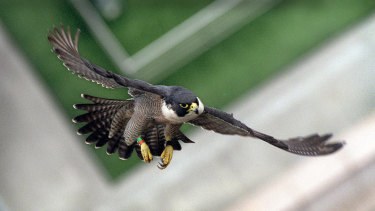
{"x": 55, "y": 29}
{"x": 61, "y": 26}
{"x": 88, "y": 143}
{"x": 334, "y": 147}
{"x": 49, "y": 38}
{"x": 327, "y": 136}
{"x": 86, "y": 96}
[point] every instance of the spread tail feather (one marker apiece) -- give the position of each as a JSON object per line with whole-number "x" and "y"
{"x": 106, "y": 120}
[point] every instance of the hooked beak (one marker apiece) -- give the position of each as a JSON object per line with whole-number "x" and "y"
{"x": 193, "y": 108}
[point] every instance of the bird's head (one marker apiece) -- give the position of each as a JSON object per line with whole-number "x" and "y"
{"x": 182, "y": 105}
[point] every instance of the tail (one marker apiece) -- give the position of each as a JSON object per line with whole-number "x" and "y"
{"x": 155, "y": 139}
{"x": 100, "y": 118}
{"x": 106, "y": 121}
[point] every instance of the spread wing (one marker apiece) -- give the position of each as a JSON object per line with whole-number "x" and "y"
{"x": 67, "y": 50}
{"x": 224, "y": 123}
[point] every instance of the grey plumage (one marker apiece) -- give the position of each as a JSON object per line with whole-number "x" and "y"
{"x": 311, "y": 145}
{"x": 156, "y": 112}
{"x": 101, "y": 120}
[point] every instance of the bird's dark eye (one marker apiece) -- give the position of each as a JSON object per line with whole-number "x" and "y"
{"x": 184, "y": 105}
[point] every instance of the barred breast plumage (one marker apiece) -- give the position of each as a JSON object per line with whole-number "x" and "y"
{"x": 106, "y": 121}
{"x": 156, "y": 113}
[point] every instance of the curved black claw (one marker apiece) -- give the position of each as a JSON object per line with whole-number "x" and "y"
{"x": 166, "y": 157}
{"x": 161, "y": 165}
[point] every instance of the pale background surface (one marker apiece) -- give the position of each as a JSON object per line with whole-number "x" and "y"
{"x": 43, "y": 166}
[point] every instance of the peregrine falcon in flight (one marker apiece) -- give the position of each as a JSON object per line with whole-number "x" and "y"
{"x": 150, "y": 121}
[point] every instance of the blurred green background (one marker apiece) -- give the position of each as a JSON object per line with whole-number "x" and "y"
{"x": 219, "y": 76}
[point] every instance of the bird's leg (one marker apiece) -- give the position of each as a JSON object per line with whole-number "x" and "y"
{"x": 167, "y": 155}
{"x": 170, "y": 131}
{"x": 145, "y": 150}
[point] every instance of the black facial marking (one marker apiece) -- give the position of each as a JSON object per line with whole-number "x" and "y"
{"x": 181, "y": 95}
{"x": 181, "y": 112}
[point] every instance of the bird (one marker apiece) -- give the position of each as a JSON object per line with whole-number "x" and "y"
{"x": 150, "y": 121}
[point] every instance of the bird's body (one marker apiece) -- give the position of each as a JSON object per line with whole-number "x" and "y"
{"x": 151, "y": 109}
{"x": 110, "y": 123}
{"x": 150, "y": 121}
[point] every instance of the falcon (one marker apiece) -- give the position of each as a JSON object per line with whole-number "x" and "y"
{"x": 150, "y": 121}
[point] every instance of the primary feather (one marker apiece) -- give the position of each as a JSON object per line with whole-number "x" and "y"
{"x": 106, "y": 119}
{"x": 224, "y": 123}
{"x": 67, "y": 51}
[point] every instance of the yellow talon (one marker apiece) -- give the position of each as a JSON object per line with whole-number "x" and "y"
{"x": 146, "y": 153}
{"x": 166, "y": 157}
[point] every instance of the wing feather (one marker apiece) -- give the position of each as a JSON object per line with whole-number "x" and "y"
{"x": 224, "y": 123}
{"x": 67, "y": 51}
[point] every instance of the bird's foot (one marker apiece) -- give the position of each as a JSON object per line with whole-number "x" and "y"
{"x": 166, "y": 157}
{"x": 146, "y": 153}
